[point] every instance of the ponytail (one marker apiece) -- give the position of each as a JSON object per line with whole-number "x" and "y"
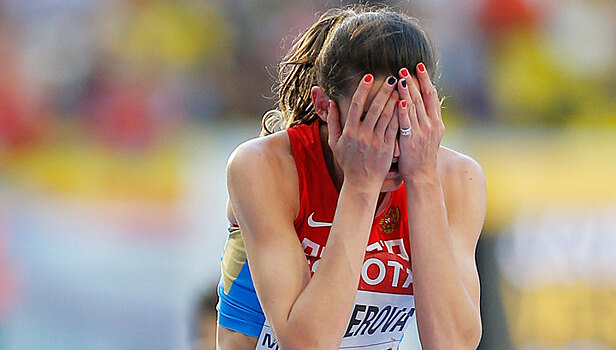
{"x": 297, "y": 75}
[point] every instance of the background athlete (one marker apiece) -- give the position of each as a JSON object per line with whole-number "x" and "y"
{"x": 362, "y": 76}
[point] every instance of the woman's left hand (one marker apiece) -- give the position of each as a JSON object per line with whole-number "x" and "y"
{"x": 420, "y": 110}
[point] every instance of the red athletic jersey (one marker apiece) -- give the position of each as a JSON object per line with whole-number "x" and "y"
{"x": 389, "y": 241}
{"x": 384, "y": 303}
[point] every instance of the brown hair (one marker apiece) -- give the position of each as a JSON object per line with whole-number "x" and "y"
{"x": 343, "y": 45}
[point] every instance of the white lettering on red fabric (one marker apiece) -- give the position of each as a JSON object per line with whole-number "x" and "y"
{"x": 390, "y": 244}
{"x": 376, "y": 268}
{"x": 366, "y": 266}
{"x": 314, "y": 247}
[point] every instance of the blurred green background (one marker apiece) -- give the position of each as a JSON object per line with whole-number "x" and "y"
{"x": 117, "y": 117}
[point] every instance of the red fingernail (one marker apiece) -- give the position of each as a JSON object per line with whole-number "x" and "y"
{"x": 368, "y": 78}
{"x": 329, "y": 103}
{"x": 404, "y": 72}
{"x": 421, "y": 67}
{"x": 403, "y": 103}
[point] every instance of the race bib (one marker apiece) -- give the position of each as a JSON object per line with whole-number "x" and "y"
{"x": 377, "y": 322}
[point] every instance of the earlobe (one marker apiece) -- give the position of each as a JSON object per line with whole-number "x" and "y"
{"x": 320, "y": 101}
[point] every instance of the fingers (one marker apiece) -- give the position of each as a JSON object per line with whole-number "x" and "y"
{"x": 405, "y": 79}
{"x": 386, "y": 115}
{"x": 333, "y": 123}
{"x": 378, "y": 104}
{"x": 403, "y": 89}
{"x": 359, "y": 99}
{"x": 428, "y": 92}
{"x": 415, "y": 98}
{"x": 412, "y": 113}
{"x": 392, "y": 129}
{"x": 404, "y": 119}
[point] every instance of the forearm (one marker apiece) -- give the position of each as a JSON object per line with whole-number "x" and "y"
{"x": 322, "y": 309}
{"x": 446, "y": 316}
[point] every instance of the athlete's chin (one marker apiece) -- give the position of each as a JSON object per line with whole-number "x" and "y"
{"x": 391, "y": 184}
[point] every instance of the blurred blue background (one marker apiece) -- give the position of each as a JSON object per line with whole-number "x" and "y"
{"x": 117, "y": 117}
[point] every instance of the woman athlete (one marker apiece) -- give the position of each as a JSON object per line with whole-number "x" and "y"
{"x": 353, "y": 219}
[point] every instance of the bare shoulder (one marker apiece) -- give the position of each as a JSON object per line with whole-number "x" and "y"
{"x": 464, "y": 190}
{"x": 459, "y": 171}
{"x": 263, "y": 165}
{"x": 272, "y": 149}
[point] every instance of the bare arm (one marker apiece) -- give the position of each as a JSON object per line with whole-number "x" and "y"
{"x": 444, "y": 227}
{"x": 311, "y": 313}
{"x": 443, "y": 241}
{"x": 303, "y": 312}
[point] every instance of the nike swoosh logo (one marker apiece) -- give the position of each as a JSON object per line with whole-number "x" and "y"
{"x": 313, "y": 223}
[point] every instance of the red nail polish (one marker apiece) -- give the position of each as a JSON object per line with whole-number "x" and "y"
{"x": 421, "y": 67}
{"x": 329, "y": 104}
{"x": 368, "y": 78}
{"x": 403, "y": 103}
{"x": 405, "y": 72}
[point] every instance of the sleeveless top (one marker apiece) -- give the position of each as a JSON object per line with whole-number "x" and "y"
{"x": 384, "y": 303}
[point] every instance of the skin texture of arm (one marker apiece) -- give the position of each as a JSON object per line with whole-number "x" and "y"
{"x": 304, "y": 312}
{"x": 444, "y": 230}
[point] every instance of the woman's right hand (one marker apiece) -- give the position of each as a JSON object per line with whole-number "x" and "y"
{"x": 364, "y": 147}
